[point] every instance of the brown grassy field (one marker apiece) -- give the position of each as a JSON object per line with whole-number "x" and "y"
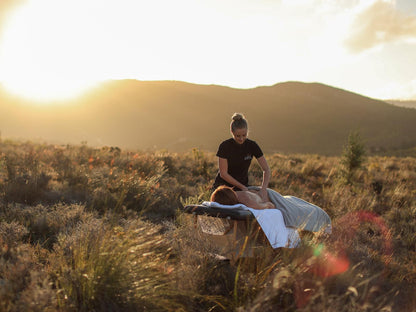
{"x": 87, "y": 229}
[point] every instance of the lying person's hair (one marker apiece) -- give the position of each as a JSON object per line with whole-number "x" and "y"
{"x": 224, "y": 195}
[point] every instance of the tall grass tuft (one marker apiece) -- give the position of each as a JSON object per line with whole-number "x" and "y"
{"x": 102, "y": 268}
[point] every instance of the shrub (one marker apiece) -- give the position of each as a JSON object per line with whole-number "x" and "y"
{"x": 353, "y": 156}
{"x": 24, "y": 284}
{"x": 26, "y": 182}
{"x": 43, "y": 224}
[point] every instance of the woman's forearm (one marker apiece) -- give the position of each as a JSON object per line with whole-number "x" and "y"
{"x": 266, "y": 172}
{"x": 223, "y": 169}
{"x": 266, "y": 178}
{"x": 227, "y": 177}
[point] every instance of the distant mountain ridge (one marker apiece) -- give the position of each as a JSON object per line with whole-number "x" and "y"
{"x": 403, "y": 103}
{"x": 289, "y": 117}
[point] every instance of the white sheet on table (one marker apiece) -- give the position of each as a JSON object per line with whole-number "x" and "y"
{"x": 272, "y": 224}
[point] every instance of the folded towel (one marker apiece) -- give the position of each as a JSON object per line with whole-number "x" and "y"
{"x": 272, "y": 224}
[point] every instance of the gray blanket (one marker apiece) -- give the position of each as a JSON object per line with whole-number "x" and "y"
{"x": 298, "y": 213}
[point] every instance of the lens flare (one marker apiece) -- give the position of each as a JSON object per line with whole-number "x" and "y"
{"x": 353, "y": 220}
{"x": 318, "y": 250}
{"x": 326, "y": 263}
{"x": 332, "y": 259}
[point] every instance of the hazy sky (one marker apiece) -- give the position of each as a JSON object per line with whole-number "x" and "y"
{"x": 53, "y": 48}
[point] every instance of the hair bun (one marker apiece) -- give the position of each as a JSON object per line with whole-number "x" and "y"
{"x": 238, "y": 122}
{"x": 237, "y": 116}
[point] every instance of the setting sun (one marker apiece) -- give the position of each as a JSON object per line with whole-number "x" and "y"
{"x": 39, "y": 57}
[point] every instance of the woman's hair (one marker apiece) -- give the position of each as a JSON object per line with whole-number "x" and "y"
{"x": 224, "y": 195}
{"x": 238, "y": 122}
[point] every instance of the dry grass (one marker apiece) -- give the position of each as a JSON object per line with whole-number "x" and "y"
{"x": 84, "y": 229}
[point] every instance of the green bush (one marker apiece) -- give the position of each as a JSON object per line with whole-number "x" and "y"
{"x": 353, "y": 156}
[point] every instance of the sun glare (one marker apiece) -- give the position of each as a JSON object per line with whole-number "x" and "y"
{"x": 55, "y": 50}
{"x": 37, "y": 60}
{"x": 46, "y": 88}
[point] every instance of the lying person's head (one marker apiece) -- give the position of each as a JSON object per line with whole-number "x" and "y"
{"x": 224, "y": 195}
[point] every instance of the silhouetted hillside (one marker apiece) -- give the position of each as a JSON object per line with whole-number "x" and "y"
{"x": 286, "y": 117}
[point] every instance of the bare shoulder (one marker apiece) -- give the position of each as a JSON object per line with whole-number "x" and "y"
{"x": 247, "y": 196}
{"x": 253, "y": 200}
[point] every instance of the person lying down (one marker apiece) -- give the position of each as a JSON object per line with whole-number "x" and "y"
{"x": 271, "y": 220}
{"x": 225, "y": 195}
{"x": 292, "y": 214}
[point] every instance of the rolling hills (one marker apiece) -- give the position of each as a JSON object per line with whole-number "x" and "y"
{"x": 286, "y": 117}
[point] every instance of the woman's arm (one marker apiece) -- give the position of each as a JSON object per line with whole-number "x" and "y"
{"x": 223, "y": 167}
{"x": 266, "y": 177}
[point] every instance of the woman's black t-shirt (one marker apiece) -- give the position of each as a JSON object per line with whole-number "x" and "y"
{"x": 239, "y": 157}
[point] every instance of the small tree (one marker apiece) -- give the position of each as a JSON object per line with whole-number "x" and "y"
{"x": 353, "y": 156}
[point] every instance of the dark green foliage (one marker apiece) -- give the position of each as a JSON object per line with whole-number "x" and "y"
{"x": 353, "y": 156}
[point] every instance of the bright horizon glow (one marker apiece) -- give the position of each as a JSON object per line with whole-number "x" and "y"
{"x": 58, "y": 49}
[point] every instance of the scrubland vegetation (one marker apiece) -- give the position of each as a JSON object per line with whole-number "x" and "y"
{"x": 86, "y": 229}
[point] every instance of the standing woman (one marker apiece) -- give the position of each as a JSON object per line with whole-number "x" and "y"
{"x": 234, "y": 158}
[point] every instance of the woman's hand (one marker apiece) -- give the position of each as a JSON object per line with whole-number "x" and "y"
{"x": 263, "y": 194}
{"x": 266, "y": 177}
